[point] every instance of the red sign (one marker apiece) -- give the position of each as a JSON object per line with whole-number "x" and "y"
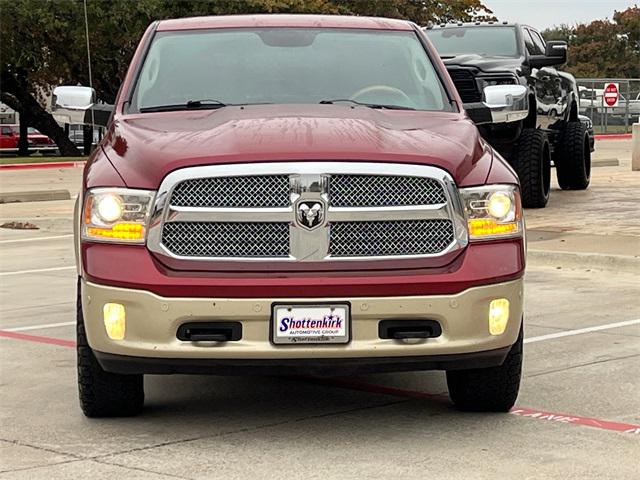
{"x": 611, "y": 94}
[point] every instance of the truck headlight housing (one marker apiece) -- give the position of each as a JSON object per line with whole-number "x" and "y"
{"x": 116, "y": 215}
{"x": 493, "y": 211}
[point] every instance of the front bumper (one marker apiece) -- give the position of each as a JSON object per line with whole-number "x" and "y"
{"x": 151, "y": 346}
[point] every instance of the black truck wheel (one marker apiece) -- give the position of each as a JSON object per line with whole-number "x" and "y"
{"x": 573, "y": 157}
{"x": 104, "y": 394}
{"x": 493, "y": 389}
{"x": 531, "y": 159}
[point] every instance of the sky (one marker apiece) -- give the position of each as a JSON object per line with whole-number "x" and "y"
{"x": 543, "y": 14}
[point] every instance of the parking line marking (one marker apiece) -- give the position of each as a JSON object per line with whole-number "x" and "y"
{"x": 518, "y": 411}
{"x": 576, "y": 420}
{"x": 580, "y": 331}
{"x": 35, "y": 239}
{"x": 37, "y": 270}
{"x": 38, "y": 327}
{"x": 37, "y": 338}
{"x": 398, "y": 392}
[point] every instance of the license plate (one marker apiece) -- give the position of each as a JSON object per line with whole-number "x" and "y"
{"x": 304, "y": 324}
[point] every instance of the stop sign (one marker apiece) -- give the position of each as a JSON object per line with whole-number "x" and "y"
{"x": 611, "y": 95}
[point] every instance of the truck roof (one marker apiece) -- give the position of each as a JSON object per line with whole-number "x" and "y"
{"x": 473, "y": 24}
{"x": 478, "y": 24}
{"x": 300, "y": 21}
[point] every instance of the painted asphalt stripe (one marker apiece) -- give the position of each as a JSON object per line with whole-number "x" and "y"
{"x": 36, "y": 239}
{"x": 518, "y": 411}
{"x": 38, "y": 270}
{"x": 38, "y": 339}
{"x": 580, "y": 331}
{"x": 398, "y": 392}
{"x": 39, "y": 327}
{"x": 576, "y": 420}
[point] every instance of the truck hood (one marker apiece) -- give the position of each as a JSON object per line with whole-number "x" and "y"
{"x": 483, "y": 63}
{"x": 144, "y": 148}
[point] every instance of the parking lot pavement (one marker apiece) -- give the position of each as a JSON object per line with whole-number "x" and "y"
{"x": 578, "y": 414}
{"x": 41, "y": 179}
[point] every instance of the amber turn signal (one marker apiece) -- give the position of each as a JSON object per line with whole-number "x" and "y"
{"x": 480, "y": 227}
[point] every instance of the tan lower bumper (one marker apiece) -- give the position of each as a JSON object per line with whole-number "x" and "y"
{"x": 152, "y": 323}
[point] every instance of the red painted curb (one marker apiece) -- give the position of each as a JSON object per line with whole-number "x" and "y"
{"x": 27, "y": 166}
{"x": 613, "y": 136}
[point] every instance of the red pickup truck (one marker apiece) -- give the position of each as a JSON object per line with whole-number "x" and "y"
{"x": 296, "y": 194}
{"x": 10, "y": 136}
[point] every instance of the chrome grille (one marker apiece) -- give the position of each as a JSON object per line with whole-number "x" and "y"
{"x": 259, "y": 191}
{"x": 227, "y": 239}
{"x": 388, "y": 238}
{"x": 384, "y": 191}
{"x": 260, "y": 213}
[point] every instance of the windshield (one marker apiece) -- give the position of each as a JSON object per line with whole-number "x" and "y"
{"x": 485, "y": 41}
{"x": 214, "y": 68}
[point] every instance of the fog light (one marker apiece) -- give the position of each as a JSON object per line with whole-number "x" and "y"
{"x": 114, "y": 320}
{"x": 498, "y": 316}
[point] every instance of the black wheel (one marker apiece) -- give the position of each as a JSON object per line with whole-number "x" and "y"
{"x": 493, "y": 389}
{"x": 104, "y": 394}
{"x": 531, "y": 159}
{"x": 573, "y": 158}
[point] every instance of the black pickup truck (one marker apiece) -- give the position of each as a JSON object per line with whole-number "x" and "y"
{"x": 478, "y": 55}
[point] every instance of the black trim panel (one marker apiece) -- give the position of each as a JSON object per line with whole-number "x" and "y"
{"x": 299, "y": 366}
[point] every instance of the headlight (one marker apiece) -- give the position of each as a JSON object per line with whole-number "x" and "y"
{"x": 492, "y": 211}
{"x": 116, "y": 215}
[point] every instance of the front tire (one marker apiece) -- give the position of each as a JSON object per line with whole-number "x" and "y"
{"x": 573, "y": 160}
{"x": 531, "y": 159}
{"x": 493, "y": 389}
{"x": 104, "y": 394}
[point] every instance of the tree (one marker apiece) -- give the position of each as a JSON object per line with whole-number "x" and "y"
{"x": 43, "y": 41}
{"x": 603, "y": 48}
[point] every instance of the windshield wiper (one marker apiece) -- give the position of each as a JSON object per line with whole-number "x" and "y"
{"x": 370, "y": 105}
{"x": 203, "y": 104}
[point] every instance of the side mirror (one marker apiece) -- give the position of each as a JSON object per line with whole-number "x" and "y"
{"x": 501, "y": 104}
{"x": 73, "y": 98}
{"x": 557, "y": 51}
{"x": 77, "y": 104}
{"x": 555, "y": 54}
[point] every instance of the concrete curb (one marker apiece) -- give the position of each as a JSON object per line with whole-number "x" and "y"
{"x": 27, "y": 166}
{"x": 35, "y": 196}
{"x": 606, "y": 162}
{"x": 599, "y": 261}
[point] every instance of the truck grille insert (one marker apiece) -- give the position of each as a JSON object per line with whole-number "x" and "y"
{"x": 228, "y": 239}
{"x": 465, "y": 83}
{"x": 260, "y": 191}
{"x": 272, "y": 216}
{"x": 384, "y": 191}
{"x": 388, "y": 238}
